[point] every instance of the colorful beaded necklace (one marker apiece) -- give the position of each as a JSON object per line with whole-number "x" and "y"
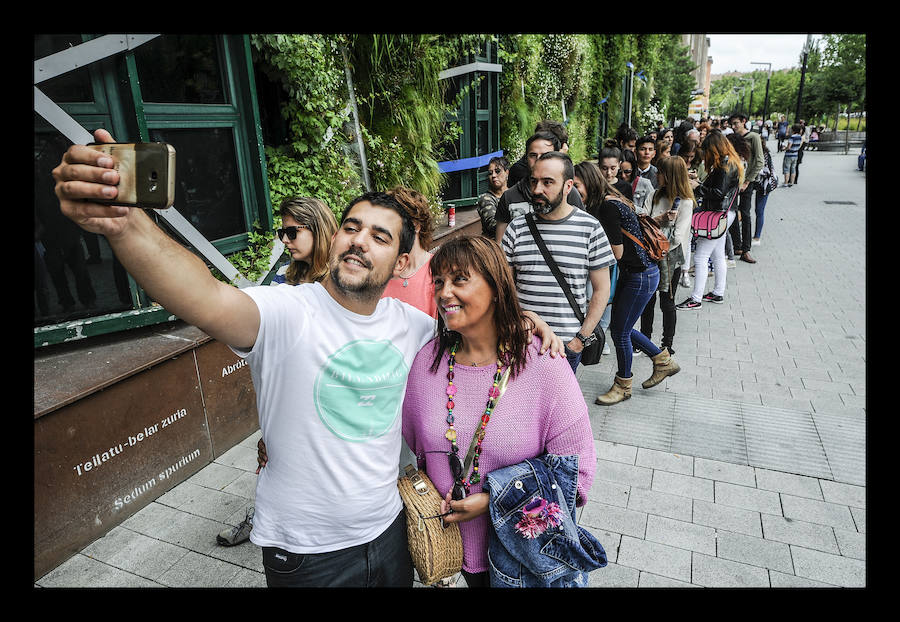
{"x": 451, "y": 433}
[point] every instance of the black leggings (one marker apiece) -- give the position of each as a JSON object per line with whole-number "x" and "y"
{"x": 667, "y": 306}
{"x": 479, "y": 579}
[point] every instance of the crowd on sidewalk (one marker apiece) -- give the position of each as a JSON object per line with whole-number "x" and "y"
{"x": 367, "y": 339}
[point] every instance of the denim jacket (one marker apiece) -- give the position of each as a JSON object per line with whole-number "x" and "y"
{"x": 561, "y": 556}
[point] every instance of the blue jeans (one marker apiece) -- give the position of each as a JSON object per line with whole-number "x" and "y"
{"x": 761, "y": 200}
{"x": 383, "y": 562}
{"x": 634, "y": 292}
{"x": 574, "y": 358}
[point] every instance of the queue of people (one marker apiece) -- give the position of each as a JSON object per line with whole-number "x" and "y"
{"x": 369, "y": 337}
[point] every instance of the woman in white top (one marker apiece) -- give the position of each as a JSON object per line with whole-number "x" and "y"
{"x": 671, "y": 206}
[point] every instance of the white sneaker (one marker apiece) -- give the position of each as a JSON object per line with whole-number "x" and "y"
{"x": 732, "y": 263}
{"x": 606, "y": 349}
{"x": 756, "y": 242}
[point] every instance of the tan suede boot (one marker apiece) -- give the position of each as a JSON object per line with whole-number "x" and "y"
{"x": 663, "y": 367}
{"x": 620, "y": 391}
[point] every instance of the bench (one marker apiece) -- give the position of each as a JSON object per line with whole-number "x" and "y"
{"x": 836, "y": 145}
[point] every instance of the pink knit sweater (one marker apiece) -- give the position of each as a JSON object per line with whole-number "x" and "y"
{"x": 542, "y": 411}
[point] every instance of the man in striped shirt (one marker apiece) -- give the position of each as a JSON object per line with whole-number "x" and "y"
{"x": 577, "y": 243}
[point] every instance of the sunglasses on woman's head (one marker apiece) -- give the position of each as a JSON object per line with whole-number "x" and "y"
{"x": 291, "y": 232}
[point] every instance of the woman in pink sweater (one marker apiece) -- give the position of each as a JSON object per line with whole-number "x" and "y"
{"x": 453, "y": 384}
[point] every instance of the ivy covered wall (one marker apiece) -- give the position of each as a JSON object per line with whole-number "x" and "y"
{"x": 403, "y": 109}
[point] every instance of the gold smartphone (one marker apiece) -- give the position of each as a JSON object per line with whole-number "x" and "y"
{"x": 146, "y": 173}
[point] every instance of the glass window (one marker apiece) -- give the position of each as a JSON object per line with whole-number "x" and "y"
{"x": 71, "y": 87}
{"x": 75, "y": 272}
{"x": 484, "y": 137}
{"x": 180, "y": 69}
{"x": 482, "y": 88}
{"x": 207, "y": 185}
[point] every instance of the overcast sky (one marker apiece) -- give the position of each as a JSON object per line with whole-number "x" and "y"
{"x": 736, "y": 52}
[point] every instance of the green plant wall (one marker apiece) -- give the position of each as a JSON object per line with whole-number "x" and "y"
{"x": 403, "y": 105}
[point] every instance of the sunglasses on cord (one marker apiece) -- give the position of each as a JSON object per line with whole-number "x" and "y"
{"x": 290, "y": 232}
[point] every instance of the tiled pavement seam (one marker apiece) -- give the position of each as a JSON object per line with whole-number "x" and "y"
{"x": 719, "y": 524}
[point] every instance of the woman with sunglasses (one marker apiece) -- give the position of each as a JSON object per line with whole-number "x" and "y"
{"x": 452, "y": 393}
{"x": 307, "y": 226}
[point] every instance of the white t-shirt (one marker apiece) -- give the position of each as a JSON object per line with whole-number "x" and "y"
{"x": 329, "y": 389}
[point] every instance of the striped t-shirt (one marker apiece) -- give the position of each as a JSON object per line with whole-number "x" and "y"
{"x": 578, "y": 244}
{"x": 793, "y": 148}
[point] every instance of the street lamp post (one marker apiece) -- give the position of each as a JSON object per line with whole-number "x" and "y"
{"x": 750, "y": 105}
{"x": 630, "y": 90}
{"x": 806, "y": 49}
{"x": 768, "y": 79}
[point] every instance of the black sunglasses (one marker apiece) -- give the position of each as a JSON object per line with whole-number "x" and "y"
{"x": 625, "y": 171}
{"x": 291, "y": 232}
{"x": 456, "y": 469}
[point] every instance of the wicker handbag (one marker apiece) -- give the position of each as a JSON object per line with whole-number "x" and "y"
{"x": 435, "y": 547}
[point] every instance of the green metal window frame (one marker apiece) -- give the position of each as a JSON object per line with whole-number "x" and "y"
{"x": 473, "y": 183}
{"x": 119, "y": 106}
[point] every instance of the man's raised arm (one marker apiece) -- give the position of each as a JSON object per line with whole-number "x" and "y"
{"x": 171, "y": 274}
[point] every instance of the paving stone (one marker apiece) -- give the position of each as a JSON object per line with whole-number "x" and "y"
{"x": 656, "y": 558}
{"x": 216, "y": 476}
{"x": 195, "y": 570}
{"x": 615, "y": 519}
{"x": 665, "y": 461}
{"x": 727, "y": 518}
{"x": 716, "y": 572}
{"x": 623, "y": 473}
{"x": 654, "y": 580}
{"x": 82, "y": 571}
{"x": 754, "y": 551}
{"x": 660, "y": 503}
{"x": 851, "y": 543}
{"x": 801, "y": 533}
{"x": 614, "y": 575}
{"x": 719, "y": 471}
{"x": 684, "y": 485}
{"x": 681, "y": 534}
{"x": 244, "y": 486}
{"x": 797, "y": 485}
{"x": 615, "y": 452}
{"x": 609, "y": 540}
{"x": 135, "y": 553}
{"x": 610, "y": 493}
{"x": 843, "y": 494}
{"x": 240, "y": 456}
{"x": 859, "y": 518}
{"x": 819, "y": 512}
{"x": 247, "y": 579}
{"x": 828, "y": 568}
{"x": 781, "y": 579}
{"x": 763, "y": 501}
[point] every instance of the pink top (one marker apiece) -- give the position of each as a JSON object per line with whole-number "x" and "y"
{"x": 542, "y": 410}
{"x": 418, "y": 292}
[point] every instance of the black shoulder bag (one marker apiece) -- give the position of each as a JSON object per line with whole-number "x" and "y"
{"x": 590, "y": 355}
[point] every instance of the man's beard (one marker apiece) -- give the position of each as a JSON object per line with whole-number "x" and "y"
{"x": 364, "y": 290}
{"x": 542, "y": 206}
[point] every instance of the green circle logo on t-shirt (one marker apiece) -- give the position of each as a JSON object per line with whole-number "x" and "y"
{"x": 359, "y": 389}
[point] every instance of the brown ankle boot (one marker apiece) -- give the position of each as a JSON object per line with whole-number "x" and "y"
{"x": 620, "y": 391}
{"x": 663, "y": 366}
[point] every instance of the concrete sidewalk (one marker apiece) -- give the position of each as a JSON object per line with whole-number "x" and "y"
{"x": 747, "y": 469}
